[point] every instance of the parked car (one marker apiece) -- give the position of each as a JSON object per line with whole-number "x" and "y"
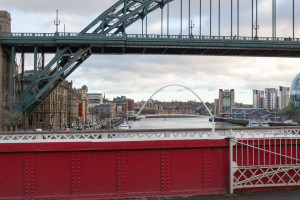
{"x": 66, "y": 129}
{"x": 79, "y": 127}
{"x": 49, "y": 127}
{"x": 37, "y": 129}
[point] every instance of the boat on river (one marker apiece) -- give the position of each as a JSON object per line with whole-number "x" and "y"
{"x": 252, "y": 123}
{"x": 124, "y": 126}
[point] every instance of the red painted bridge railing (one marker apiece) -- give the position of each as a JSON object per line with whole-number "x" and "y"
{"x": 177, "y": 165}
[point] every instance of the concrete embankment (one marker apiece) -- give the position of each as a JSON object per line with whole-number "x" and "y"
{"x": 230, "y": 120}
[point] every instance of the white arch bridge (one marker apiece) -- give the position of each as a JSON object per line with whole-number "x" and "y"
{"x": 182, "y": 86}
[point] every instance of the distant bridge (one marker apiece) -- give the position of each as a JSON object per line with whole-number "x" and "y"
{"x": 172, "y": 115}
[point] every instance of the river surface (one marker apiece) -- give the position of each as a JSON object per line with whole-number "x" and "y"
{"x": 177, "y": 123}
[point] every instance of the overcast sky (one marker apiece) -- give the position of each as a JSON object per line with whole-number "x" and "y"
{"x": 138, "y": 76}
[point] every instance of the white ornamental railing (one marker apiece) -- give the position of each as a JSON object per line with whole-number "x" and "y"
{"x": 264, "y": 158}
{"x": 144, "y": 135}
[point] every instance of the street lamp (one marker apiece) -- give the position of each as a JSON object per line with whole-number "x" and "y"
{"x": 60, "y": 116}
{"x": 24, "y": 114}
{"x": 93, "y": 104}
{"x": 191, "y": 26}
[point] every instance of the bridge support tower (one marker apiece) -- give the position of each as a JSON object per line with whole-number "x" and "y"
{"x": 5, "y": 76}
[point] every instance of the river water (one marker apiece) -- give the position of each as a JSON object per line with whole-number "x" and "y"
{"x": 177, "y": 123}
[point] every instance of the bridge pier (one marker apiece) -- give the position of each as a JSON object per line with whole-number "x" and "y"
{"x": 5, "y": 73}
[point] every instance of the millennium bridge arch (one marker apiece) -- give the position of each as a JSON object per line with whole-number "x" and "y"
{"x": 174, "y": 85}
{"x": 107, "y": 35}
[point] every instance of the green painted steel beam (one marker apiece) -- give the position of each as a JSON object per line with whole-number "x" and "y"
{"x": 47, "y": 83}
{"x": 97, "y": 41}
{"x": 122, "y": 14}
{"x": 12, "y": 75}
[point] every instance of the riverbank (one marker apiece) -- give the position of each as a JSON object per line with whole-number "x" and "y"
{"x": 171, "y": 116}
{"x": 177, "y": 123}
{"x": 230, "y": 120}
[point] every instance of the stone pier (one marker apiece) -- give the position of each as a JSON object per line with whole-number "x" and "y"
{"x": 5, "y": 26}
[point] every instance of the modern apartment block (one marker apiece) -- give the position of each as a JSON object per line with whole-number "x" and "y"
{"x": 258, "y": 99}
{"x": 271, "y": 98}
{"x": 216, "y": 107}
{"x": 284, "y": 97}
{"x": 95, "y": 98}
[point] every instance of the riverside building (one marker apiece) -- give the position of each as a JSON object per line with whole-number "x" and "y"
{"x": 226, "y": 101}
{"x": 283, "y": 97}
{"x": 295, "y": 92}
{"x": 271, "y": 99}
{"x": 258, "y": 99}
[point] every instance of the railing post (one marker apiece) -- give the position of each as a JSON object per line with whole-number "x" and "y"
{"x": 39, "y": 136}
{"x": 230, "y": 165}
{"x": 104, "y": 135}
{"x": 213, "y": 132}
{"x": 213, "y": 126}
{"x": 167, "y": 134}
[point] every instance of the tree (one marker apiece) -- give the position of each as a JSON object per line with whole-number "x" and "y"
{"x": 8, "y": 116}
{"x": 292, "y": 113}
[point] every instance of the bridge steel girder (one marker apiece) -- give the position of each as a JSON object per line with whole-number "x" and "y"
{"x": 158, "y": 44}
{"x": 122, "y": 14}
{"x": 42, "y": 84}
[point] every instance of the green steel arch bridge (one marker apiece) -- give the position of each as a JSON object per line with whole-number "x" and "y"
{"x": 107, "y": 35}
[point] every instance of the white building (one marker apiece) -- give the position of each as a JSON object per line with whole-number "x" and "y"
{"x": 258, "y": 99}
{"x": 95, "y": 98}
{"x": 271, "y": 95}
{"x": 283, "y": 97}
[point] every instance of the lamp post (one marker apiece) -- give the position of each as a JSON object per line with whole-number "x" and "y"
{"x": 127, "y": 110}
{"x": 93, "y": 113}
{"x": 192, "y": 25}
{"x": 60, "y": 116}
{"x": 56, "y": 22}
{"x": 24, "y": 114}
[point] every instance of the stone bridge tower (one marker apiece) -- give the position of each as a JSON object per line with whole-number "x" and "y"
{"x": 5, "y": 26}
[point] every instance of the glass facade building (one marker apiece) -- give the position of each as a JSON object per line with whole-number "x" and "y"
{"x": 226, "y": 102}
{"x": 295, "y": 92}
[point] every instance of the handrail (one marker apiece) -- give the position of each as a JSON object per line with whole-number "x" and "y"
{"x": 144, "y": 36}
{"x": 146, "y": 135}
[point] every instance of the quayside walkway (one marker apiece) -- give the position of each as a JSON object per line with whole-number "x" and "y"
{"x": 148, "y": 163}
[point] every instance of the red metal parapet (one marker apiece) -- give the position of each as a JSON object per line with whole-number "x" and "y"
{"x": 102, "y": 170}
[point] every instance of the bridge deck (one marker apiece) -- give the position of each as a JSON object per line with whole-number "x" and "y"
{"x": 155, "y": 44}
